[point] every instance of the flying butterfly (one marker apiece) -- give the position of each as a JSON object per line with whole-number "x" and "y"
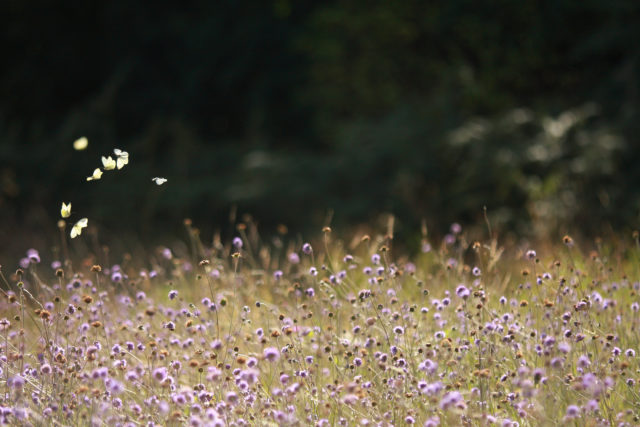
{"x": 76, "y": 230}
{"x": 108, "y": 163}
{"x": 158, "y": 180}
{"x": 65, "y": 210}
{"x": 122, "y": 157}
{"x": 97, "y": 174}
{"x": 80, "y": 143}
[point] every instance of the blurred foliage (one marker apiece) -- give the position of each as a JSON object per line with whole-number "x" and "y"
{"x": 289, "y": 109}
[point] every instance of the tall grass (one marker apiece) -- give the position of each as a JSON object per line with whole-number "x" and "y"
{"x": 248, "y": 332}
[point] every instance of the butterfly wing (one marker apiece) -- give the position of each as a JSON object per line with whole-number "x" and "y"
{"x": 122, "y": 161}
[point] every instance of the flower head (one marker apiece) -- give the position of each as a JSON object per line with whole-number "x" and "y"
{"x": 271, "y": 354}
{"x": 463, "y": 292}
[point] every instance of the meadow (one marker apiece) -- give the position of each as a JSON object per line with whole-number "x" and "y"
{"x": 338, "y": 330}
{"x": 117, "y": 311}
{"x": 284, "y": 332}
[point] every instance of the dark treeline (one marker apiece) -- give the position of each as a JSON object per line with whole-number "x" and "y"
{"x": 287, "y": 109}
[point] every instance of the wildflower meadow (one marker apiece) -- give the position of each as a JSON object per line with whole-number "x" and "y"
{"x": 322, "y": 331}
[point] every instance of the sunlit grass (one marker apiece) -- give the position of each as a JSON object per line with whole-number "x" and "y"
{"x": 327, "y": 333}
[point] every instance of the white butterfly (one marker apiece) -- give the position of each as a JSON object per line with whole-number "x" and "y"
{"x": 97, "y": 174}
{"x": 108, "y": 163}
{"x": 122, "y": 157}
{"x": 80, "y": 143}
{"x": 76, "y": 230}
{"x": 65, "y": 210}
{"x": 158, "y": 180}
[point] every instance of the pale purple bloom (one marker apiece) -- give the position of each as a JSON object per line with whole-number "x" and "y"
{"x": 463, "y": 292}
{"x": 451, "y": 399}
{"x": 591, "y": 405}
{"x": 428, "y": 366}
{"x": 564, "y": 347}
{"x": 116, "y": 277}
{"x": 160, "y": 374}
{"x": 33, "y": 255}
{"x": 271, "y": 354}
{"x": 573, "y": 411}
{"x": 17, "y": 382}
{"x": 294, "y": 258}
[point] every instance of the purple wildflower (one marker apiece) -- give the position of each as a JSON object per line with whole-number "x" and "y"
{"x": 463, "y": 292}
{"x": 573, "y": 411}
{"x": 294, "y": 258}
{"x": 271, "y": 354}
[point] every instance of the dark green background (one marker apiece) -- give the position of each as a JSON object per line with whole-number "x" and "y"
{"x": 288, "y": 109}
